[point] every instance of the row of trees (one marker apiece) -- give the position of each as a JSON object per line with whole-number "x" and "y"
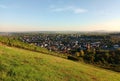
{"x": 100, "y": 56}
{"x": 104, "y": 58}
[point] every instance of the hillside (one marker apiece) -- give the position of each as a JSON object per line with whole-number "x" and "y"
{"x": 23, "y": 65}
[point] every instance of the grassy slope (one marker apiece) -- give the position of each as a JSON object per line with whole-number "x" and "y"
{"x": 22, "y": 65}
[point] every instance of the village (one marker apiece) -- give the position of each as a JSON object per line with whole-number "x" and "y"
{"x": 71, "y": 43}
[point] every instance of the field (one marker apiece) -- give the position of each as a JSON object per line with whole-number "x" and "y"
{"x": 23, "y": 65}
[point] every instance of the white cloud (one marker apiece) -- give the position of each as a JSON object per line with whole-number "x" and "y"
{"x": 103, "y": 13}
{"x": 70, "y": 9}
{"x": 3, "y": 6}
{"x": 59, "y": 9}
{"x": 79, "y": 10}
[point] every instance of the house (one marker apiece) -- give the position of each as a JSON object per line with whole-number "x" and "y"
{"x": 116, "y": 46}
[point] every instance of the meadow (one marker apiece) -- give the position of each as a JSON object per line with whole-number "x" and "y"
{"x": 23, "y": 65}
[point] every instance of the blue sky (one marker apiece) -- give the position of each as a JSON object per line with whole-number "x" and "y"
{"x": 59, "y": 15}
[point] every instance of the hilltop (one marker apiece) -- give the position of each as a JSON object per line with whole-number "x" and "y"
{"x": 23, "y": 65}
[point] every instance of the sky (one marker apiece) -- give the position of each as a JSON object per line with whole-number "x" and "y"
{"x": 59, "y": 15}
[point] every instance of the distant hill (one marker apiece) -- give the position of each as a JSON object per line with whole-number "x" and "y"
{"x": 23, "y": 65}
{"x": 5, "y": 33}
